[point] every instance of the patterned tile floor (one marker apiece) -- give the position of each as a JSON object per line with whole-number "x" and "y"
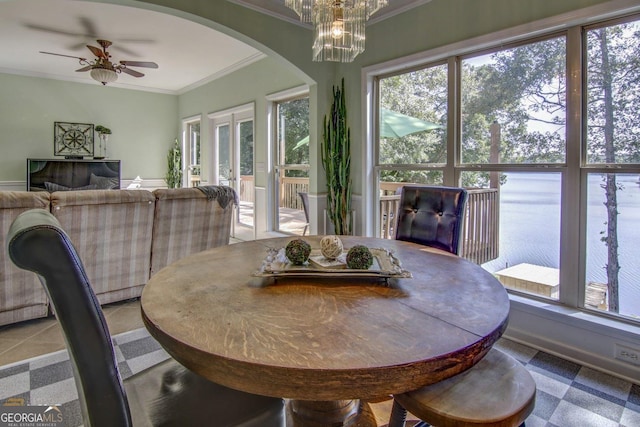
{"x": 568, "y": 394}
{"x": 571, "y": 395}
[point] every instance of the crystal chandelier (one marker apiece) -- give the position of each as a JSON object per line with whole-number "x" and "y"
{"x": 338, "y": 25}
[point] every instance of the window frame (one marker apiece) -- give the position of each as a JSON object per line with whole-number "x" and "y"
{"x": 574, "y": 170}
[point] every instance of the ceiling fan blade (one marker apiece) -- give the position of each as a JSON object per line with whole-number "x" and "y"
{"x": 87, "y": 68}
{"x": 131, "y": 72}
{"x": 96, "y": 51}
{"x": 139, "y": 64}
{"x": 51, "y": 30}
{"x": 67, "y": 56}
{"x": 89, "y": 26}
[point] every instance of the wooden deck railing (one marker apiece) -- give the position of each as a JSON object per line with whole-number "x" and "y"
{"x": 481, "y": 230}
{"x": 289, "y": 189}
{"x": 247, "y": 189}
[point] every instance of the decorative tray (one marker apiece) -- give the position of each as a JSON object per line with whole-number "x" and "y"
{"x": 385, "y": 266}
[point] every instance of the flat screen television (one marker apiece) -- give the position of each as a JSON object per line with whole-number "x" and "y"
{"x": 72, "y": 174}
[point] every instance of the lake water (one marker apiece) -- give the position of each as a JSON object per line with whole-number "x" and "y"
{"x": 530, "y": 229}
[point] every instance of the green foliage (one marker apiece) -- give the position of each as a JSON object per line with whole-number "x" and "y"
{"x": 174, "y": 163}
{"x": 246, "y": 148}
{"x": 336, "y": 160}
{"x": 103, "y": 130}
{"x": 294, "y": 127}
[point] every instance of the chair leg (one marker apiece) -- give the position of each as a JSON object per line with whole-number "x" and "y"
{"x": 398, "y": 415}
{"x": 305, "y": 229}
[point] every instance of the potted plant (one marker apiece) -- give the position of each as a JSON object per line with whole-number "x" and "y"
{"x": 103, "y": 135}
{"x": 336, "y": 161}
{"x": 174, "y": 162}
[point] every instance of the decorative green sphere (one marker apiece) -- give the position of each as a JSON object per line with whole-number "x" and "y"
{"x": 298, "y": 251}
{"x": 359, "y": 257}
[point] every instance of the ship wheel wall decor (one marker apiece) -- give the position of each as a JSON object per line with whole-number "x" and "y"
{"x": 72, "y": 140}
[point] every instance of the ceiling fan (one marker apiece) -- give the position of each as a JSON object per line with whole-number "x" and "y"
{"x": 102, "y": 68}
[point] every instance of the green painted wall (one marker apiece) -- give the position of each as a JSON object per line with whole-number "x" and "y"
{"x": 144, "y": 124}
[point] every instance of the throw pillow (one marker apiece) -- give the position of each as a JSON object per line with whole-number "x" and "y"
{"x": 52, "y": 186}
{"x": 104, "y": 182}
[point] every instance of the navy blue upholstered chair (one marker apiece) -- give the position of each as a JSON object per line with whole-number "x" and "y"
{"x": 166, "y": 394}
{"x": 432, "y": 216}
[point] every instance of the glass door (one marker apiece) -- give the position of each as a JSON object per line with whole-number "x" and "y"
{"x": 233, "y": 153}
{"x": 292, "y": 166}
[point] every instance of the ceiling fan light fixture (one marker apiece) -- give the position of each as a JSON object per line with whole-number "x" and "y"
{"x": 104, "y": 75}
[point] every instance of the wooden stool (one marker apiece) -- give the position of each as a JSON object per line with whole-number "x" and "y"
{"x": 497, "y": 391}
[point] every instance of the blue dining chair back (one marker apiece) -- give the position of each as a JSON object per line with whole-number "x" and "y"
{"x": 432, "y": 216}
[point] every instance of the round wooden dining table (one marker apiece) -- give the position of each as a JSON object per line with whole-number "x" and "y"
{"x": 326, "y": 344}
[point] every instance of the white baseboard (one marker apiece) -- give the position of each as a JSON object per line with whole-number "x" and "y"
{"x": 13, "y": 185}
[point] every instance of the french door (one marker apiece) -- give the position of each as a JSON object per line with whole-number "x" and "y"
{"x": 233, "y": 162}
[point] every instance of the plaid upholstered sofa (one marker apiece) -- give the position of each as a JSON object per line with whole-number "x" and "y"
{"x": 122, "y": 236}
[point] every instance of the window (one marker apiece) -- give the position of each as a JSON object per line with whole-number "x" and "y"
{"x": 513, "y": 104}
{"x": 513, "y": 113}
{"x": 564, "y": 164}
{"x": 412, "y": 124}
{"x": 613, "y": 141}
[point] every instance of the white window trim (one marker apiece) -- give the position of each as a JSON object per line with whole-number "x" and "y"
{"x": 186, "y": 146}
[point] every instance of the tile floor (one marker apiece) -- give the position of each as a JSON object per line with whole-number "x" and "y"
{"x": 40, "y": 336}
{"x": 568, "y": 394}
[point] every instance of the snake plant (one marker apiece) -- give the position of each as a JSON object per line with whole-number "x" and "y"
{"x": 336, "y": 160}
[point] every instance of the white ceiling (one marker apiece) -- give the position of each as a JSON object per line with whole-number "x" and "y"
{"x": 188, "y": 54}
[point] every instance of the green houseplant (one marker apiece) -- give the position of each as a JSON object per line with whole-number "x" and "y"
{"x": 174, "y": 162}
{"x": 336, "y": 161}
{"x": 103, "y": 135}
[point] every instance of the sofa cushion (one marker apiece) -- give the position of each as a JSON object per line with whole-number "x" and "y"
{"x": 112, "y": 233}
{"x": 104, "y": 182}
{"x": 52, "y": 186}
{"x": 188, "y": 221}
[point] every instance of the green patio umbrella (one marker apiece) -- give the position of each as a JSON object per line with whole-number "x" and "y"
{"x": 393, "y": 125}
{"x": 397, "y": 125}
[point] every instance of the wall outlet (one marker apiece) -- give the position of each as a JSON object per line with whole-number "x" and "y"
{"x": 627, "y": 354}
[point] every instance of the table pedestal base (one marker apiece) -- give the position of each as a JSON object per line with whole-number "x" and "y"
{"x": 333, "y": 413}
